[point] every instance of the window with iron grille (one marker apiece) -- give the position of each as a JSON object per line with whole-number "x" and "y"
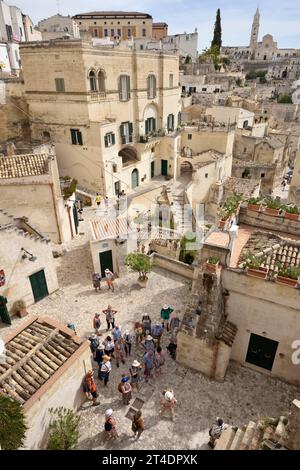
{"x": 124, "y": 88}
{"x": 60, "y": 84}
{"x": 76, "y": 137}
{"x": 151, "y": 86}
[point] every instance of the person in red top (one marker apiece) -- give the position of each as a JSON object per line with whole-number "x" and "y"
{"x": 90, "y": 387}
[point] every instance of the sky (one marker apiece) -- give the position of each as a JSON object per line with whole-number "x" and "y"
{"x": 281, "y": 18}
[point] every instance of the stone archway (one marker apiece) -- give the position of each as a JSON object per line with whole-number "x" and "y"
{"x": 186, "y": 169}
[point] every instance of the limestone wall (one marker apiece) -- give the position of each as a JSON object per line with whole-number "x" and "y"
{"x": 195, "y": 353}
{"x": 268, "y": 222}
{"x": 14, "y": 119}
{"x": 173, "y": 265}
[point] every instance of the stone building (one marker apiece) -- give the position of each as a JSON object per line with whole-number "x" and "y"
{"x": 186, "y": 44}
{"x": 231, "y": 115}
{"x": 123, "y": 24}
{"x": 30, "y": 188}
{"x": 27, "y": 261}
{"x": 31, "y": 32}
{"x": 263, "y": 158}
{"x": 45, "y": 365}
{"x": 294, "y": 190}
{"x": 235, "y": 315}
{"x": 159, "y": 30}
{"x": 114, "y": 120}
{"x": 265, "y": 50}
{"x": 57, "y": 26}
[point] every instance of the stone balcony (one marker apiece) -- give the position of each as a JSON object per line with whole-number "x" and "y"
{"x": 97, "y": 96}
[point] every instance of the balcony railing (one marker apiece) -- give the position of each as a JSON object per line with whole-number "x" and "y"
{"x": 152, "y": 135}
{"x": 97, "y": 96}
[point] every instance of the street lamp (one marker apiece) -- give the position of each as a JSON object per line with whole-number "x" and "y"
{"x": 27, "y": 255}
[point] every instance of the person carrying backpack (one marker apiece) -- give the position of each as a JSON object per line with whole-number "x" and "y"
{"x": 215, "y": 431}
{"x": 90, "y": 387}
{"x": 94, "y": 343}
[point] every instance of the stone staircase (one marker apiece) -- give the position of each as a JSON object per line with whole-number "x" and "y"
{"x": 176, "y": 197}
{"x": 268, "y": 434}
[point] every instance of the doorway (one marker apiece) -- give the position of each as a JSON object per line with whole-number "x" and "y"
{"x": 134, "y": 178}
{"x": 75, "y": 217}
{"x": 152, "y": 169}
{"x": 261, "y": 351}
{"x": 106, "y": 262}
{"x": 39, "y": 285}
{"x": 117, "y": 188}
{"x": 164, "y": 167}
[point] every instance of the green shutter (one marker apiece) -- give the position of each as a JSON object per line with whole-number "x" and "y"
{"x": 73, "y": 138}
{"x": 113, "y": 139}
{"x": 105, "y": 141}
{"x": 128, "y": 86}
{"x": 154, "y": 124}
{"x": 120, "y": 87}
{"x": 130, "y": 128}
{"x": 146, "y": 127}
{"x": 79, "y": 136}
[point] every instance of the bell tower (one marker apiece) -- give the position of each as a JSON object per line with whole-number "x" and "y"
{"x": 254, "y": 31}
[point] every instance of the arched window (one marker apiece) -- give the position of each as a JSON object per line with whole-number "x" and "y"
{"x": 101, "y": 81}
{"x": 93, "y": 81}
{"x": 134, "y": 178}
{"x": 151, "y": 87}
{"x": 124, "y": 88}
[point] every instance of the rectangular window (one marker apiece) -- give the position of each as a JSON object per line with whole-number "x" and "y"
{"x": 126, "y": 131}
{"x": 141, "y": 47}
{"x": 124, "y": 88}
{"x": 151, "y": 82}
{"x": 150, "y": 125}
{"x": 179, "y": 119}
{"x": 112, "y": 32}
{"x": 262, "y": 175}
{"x": 76, "y": 137}
{"x": 119, "y": 32}
{"x": 60, "y": 85}
{"x": 8, "y": 32}
{"x": 106, "y": 33}
{"x": 170, "y": 122}
{"x": 95, "y": 33}
{"x": 190, "y": 136}
{"x": 144, "y": 32}
{"x": 109, "y": 139}
{"x": 129, "y": 33}
{"x": 206, "y": 175}
{"x": 171, "y": 80}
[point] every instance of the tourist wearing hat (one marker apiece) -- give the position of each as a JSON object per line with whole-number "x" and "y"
{"x": 149, "y": 364}
{"x": 105, "y": 369}
{"x": 99, "y": 354}
{"x": 135, "y": 371}
{"x": 94, "y": 343}
{"x": 109, "y": 277}
{"x": 149, "y": 343}
{"x": 109, "y": 313}
{"x": 128, "y": 340}
{"x": 167, "y": 402}
{"x": 90, "y": 387}
{"x": 110, "y": 425}
{"x": 165, "y": 315}
{"x": 156, "y": 332}
{"x": 97, "y": 324}
{"x": 125, "y": 389}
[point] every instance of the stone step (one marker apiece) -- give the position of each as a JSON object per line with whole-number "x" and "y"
{"x": 281, "y": 431}
{"x": 247, "y": 438}
{"x": 235, "y": 445}
{"x": 225, "y": 441}
{"x": 257, "y": 437}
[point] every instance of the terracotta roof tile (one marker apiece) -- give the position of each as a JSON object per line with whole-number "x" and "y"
{"x": 19, "y": 166}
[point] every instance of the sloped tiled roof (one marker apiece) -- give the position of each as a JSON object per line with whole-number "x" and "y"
{"x": 275, "y": 248}
{"x": 19, "y": 166}
{"x": 33, "y": 355}
{"x": 109, "y": 228}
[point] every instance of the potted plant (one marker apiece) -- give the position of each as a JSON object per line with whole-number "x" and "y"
{"x": 212, "y": 264}
{"x": 19, "y": 308}
{"x": 230, "y": 207}
{"x": 288, "y": 275}
{"x": 254, "y": 204}
{"x": 273, "y": 206}
{"x": 291, "y": 212}
{"x": 253, "y": 265}
{"x": 140, "y": 263}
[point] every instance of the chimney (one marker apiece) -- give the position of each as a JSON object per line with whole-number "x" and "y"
{"x": 10, "y": 149}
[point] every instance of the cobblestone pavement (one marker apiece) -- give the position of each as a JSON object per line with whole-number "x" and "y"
{"x": 244, "y": 395}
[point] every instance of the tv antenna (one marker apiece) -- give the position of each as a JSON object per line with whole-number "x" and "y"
{"x": 58, "y": 6}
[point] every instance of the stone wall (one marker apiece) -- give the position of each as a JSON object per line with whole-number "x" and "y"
{"x": 269, "y": 222}
{"x": 14, "y": 114}
{"x": 173, "y": 265}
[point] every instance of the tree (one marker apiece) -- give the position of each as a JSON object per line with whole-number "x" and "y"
{"x": 217, "y": 39}
{"x": 284, "y": 99}
{"x": 140, "y": 263}
{"x": 12, "y": 424}
{"x": 63, "y": 429}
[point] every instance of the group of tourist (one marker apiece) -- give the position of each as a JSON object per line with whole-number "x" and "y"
{"x": 118, "y": 345}
{"x": 109, "y": 278}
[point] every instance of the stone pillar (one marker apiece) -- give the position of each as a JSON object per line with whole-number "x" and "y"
{"x": 293, "y": 440}
{"x": 223, "y": 358}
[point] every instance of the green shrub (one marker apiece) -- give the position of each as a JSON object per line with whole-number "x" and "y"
{"x": 63, "y": 429}
{"x": 292, "y": 272}
{"x": 252, "y": 261}
{"x": 254, "y": 201}
{"x": 12, "y": 424}
{"x": 213, "y": 260}
{"x": 284, "y": 99}
{"x": 273, "y": 203}
{"x": 291, "y": 209}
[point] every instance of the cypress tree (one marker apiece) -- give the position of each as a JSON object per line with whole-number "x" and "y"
{"x": 217, "y": 39}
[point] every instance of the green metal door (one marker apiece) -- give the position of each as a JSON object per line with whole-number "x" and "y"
{"x": 106, "y": 261}
{"x": 134, "y": 178}
{"x": 164, "y": 167}
{"x": 152, "y": 169}
{"x": 75, "y": 217}
{"x": 261, "y": 351}
{"x": 39, "y": 285}
{"x": 3, "y": 310}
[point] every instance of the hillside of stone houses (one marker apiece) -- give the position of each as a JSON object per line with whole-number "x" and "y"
{"x": 149, "y": 233}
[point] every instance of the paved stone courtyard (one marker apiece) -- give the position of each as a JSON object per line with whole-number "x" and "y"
{"x": 244, "y": 395}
